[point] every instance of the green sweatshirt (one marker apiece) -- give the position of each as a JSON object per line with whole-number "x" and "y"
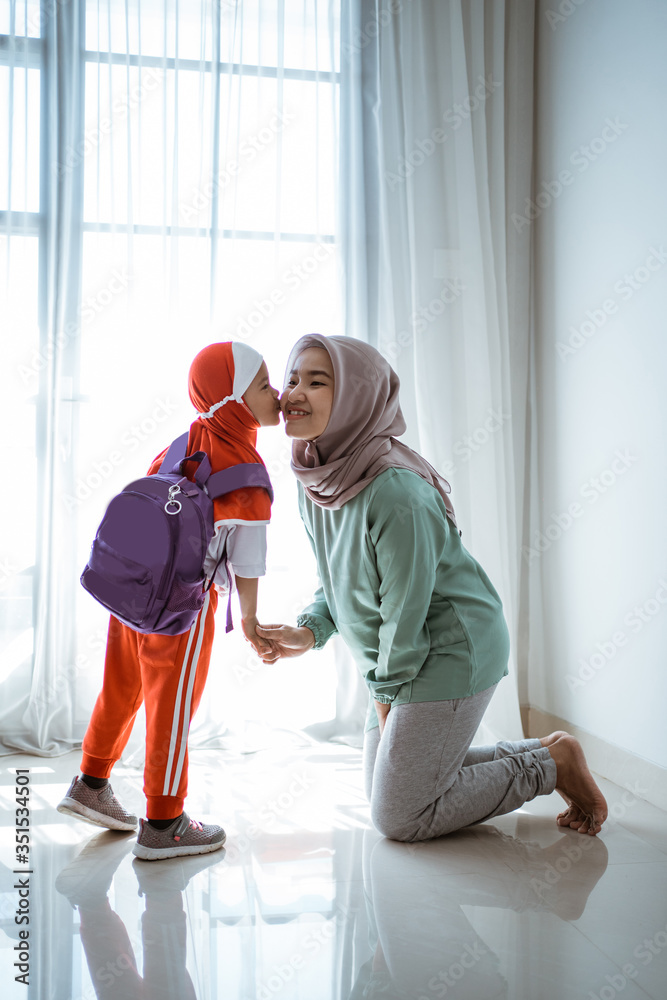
{"x": 419, "y": 614}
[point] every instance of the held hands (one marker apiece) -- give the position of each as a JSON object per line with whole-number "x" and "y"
{"x": 249, "y": 626}
{"x": 284, "y": 640}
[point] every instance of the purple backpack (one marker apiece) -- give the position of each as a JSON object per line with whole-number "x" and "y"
{"x": 146, "y": 562}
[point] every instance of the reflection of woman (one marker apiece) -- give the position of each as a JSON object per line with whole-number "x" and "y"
{"x": 419, "y": 614}
{"x": 425, "y": 931}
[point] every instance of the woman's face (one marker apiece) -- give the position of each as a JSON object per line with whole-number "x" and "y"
{"x": 308, "y": 395}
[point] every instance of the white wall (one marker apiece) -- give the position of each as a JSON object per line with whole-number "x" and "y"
{"x": 603, "y": 404}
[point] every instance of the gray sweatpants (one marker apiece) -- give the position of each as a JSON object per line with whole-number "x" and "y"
{"x": 423, "y": 779}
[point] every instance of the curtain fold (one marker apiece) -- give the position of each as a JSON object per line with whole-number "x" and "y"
{"x": 46, "y": 713}
{"x": 436, "y": 155}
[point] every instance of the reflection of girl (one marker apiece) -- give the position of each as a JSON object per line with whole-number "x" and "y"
{"x": 420, "y": 615}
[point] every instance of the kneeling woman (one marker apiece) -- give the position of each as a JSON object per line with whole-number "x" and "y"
{"x": 422, "y": 619}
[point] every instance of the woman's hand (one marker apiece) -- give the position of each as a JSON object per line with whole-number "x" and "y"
{"x": 382, "y": 713}
{"x": 284, "y": 640}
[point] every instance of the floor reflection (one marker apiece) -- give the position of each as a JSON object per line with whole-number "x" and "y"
{"x": 415, "y": 927}
{"x": 417, "y": 894}
{"x": 307, "y": 902}
{"x": 110, "y": 957}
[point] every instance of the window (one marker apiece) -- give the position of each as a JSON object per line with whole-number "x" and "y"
{"x": 207, "y": 162}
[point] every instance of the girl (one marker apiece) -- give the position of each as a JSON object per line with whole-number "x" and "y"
{"x": 229, "y": 386}
{"x": 420, "y": 615}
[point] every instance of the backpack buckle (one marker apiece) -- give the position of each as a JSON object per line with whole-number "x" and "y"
{"x": 171, "y": 502}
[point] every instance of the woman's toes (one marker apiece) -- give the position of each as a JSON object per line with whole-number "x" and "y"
{"x": 572, "y": 817}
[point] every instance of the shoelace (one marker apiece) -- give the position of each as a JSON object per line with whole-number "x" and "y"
{"x": 193, "y": 825}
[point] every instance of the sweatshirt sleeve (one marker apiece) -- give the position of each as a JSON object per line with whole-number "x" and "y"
{"x": 409, "y": 533}
{"x": 317, "y": 618}
{"x": 246, "y": 551}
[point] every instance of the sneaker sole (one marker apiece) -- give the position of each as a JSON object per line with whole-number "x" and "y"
{"x": 70, "y": 807}
{"x": 156, "y": 853}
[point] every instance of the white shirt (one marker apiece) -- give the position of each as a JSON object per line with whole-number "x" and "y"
{"x": 246, "y": 551}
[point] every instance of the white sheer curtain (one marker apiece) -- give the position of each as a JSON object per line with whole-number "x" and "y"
{"x": 182, "y": 189}
{"x": 176, "y": 184}
{"x": 436, "y": 140}
{"x": 40, "y": 223}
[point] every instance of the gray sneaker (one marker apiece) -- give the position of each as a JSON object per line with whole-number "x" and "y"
{"x": 184, "y": 836}
{"x": 98, "y": 806}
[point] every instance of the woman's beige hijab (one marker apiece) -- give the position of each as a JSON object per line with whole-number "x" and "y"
{"x": 359, "y": 441}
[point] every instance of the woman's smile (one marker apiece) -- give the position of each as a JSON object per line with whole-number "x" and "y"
{"x": 308, "y": 395}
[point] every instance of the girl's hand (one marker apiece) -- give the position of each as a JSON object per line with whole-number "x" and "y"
{"x": 249, "y": 626}
{"x": 284, "y": 640}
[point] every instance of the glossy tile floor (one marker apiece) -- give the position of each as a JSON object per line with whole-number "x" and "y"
{"x": 309, "y": 903}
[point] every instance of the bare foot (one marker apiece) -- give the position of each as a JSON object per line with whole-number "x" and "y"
{"x": 587, "y": 807}
{"x": 546, "y": 741}
{"x": 572, "y": 816}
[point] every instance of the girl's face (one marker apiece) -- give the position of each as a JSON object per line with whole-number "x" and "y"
{"x": 262, "y": 399}
{"x": 308, "y": 395}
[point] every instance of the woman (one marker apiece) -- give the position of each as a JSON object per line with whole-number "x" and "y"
{"x": 421, "y": 617}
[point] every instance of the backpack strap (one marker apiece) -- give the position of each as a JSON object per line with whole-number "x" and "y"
{"x": 237, "y": 477}
{"x": 223, "y": 558}
{"x": 216, "y": 485}
{"x": 177, "y": 454}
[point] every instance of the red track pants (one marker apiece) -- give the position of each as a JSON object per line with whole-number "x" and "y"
{"x": 168, "y": 673}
